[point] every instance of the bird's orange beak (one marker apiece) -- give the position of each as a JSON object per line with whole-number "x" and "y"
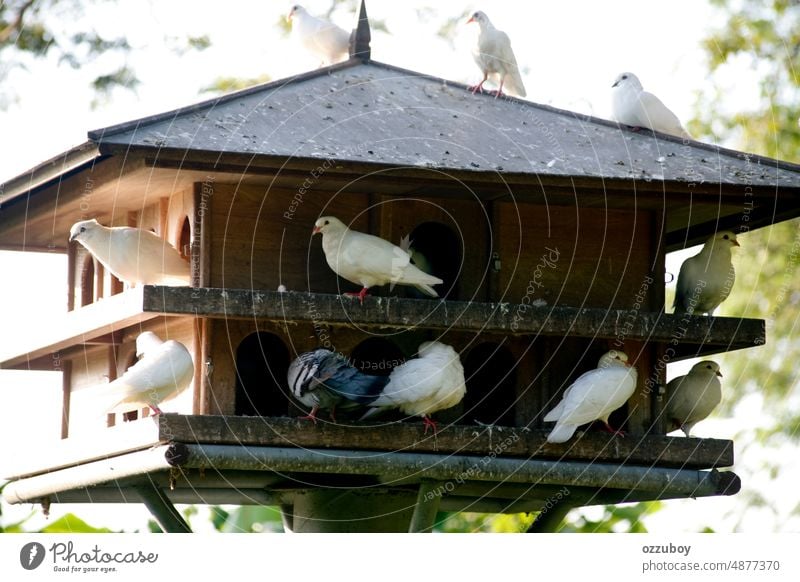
{"x": 316, "y": 230}
{"x": 471, "y": 19}
{"x": 289, "y": 16}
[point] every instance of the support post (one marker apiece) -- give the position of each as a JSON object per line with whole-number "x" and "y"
{"x": 426, "y": 508}
{"x": 164, "y": 512}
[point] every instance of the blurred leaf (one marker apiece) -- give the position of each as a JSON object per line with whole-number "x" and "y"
{"x": 71, "y": 523}
{"x": 230, "y": 84}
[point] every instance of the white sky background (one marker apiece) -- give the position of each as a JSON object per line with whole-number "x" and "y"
{"x": 569, "y": 51}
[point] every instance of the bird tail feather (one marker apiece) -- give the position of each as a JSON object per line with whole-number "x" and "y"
{"x": 427, "y": 289}
{"x": 561, "y": 433}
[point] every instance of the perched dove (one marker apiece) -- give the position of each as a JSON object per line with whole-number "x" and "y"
{"x": 692, "y": 397}
{"x": 494, "y": 56}
{"x": 133, "y": 255}
{"x": 322, "y": 379}
{"x": 320, "y": 37}
{"x": 632, "y": 105}
{"x": 593, "y": 396}
{"x": 419, "y": 387}
{"x": 705, "y": 280}
{"x": 369, "y": 260}
{"x": 163, "y": 371}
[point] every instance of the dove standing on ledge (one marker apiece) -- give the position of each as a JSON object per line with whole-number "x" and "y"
{"x": 164, "y": 370}
{"x": 324, "y": 380}
{"x": 369, "y": 260}
{"x": 320, "y": 37}
{"x": 632, "y": 105}
{"x": 691, "y": 398}
{"x": 494, "y": 56}
{"x": 419, "y": 387}
{"x": 705, "y": 280}
{"x": 133, "y": 255}
{"x": 593, "y": 396}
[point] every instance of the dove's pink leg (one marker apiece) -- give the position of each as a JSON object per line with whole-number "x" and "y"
{"x": 607, "y": 428}
{"x": 479, "y": 86}
{"x": 500, "y": 90}
{"x": 361, "y": 294}
{"x": 429, "y": 423}
{"x": 312, "y": 416}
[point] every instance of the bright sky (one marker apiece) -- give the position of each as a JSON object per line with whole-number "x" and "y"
{"x": 570, "y": 52}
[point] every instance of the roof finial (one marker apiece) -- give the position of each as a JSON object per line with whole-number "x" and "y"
{"x": 360, "y": 37}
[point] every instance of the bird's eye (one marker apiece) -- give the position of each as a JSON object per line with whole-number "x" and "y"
{"x": 725, "y": 237}
{"x": 624, "y": 77}
{"x": 327, "y": 222}
{"x": 83, "y": 229}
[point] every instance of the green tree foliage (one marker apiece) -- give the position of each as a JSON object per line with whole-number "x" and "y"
{"x": 35, "y": 29}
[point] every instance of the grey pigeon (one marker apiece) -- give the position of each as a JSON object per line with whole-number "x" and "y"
{"x": 691, "y": 398}
{"x": 705, "y": 280}
{"x": 322, "y": 379}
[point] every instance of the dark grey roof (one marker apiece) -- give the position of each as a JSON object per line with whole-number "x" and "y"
{"x": 375, "y": 113}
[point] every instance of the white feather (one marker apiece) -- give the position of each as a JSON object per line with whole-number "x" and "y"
{"x": 495, "y": 57}
{"x": 593, "y": 396}
{"x": 322, "y": 38}
{"x": 369, "y": 260}
{"x": 133, "y": 255}
{"x": 632, "y": 105}
{"x": 419, "y": 387}
{"x": 164, "y": 371}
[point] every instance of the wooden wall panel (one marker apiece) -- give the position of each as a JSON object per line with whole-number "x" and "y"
{"x": 261, "y": 239}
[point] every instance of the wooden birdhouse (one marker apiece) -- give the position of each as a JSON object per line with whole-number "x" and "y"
{"x": 548, "y": 228}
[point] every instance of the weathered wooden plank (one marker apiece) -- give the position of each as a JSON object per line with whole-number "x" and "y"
{"x": 689, "y": 453}
{"x": 104, "y": 443}
{"x": 75, "y": 327}
{"x": 687, "y": 336}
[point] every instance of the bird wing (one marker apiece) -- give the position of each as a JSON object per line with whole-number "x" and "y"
{"x": 556, "y": 413}
{"x": 596, "y": 394}
{"x": 504, "y": 52}
{"x": 143, "y": 255}
{"x": 657, "y": 116}
{"x": 153, "y": 379}
{"x": 411, "y": 382}
{"x": 373, "y": 257}
{"x": 347, "y": 381}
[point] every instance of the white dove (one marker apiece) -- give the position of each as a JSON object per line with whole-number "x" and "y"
{"x": 691, "y": 398}
{"x": 419, "y": 387}
{"x": 632, "y": 105}
{"x": 705, "y": 280}
{"x": 369, "y": 260}
{"x": 320, "y": 37}
{"x": 163, "y": 371}
{"x": 494, "y": 56}
{"x": 133, "y": 255}
{"x": 593, "y": 396}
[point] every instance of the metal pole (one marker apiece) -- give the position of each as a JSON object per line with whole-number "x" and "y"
{"x": 426, "y": 508}
{"x": 162, "y": 509}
